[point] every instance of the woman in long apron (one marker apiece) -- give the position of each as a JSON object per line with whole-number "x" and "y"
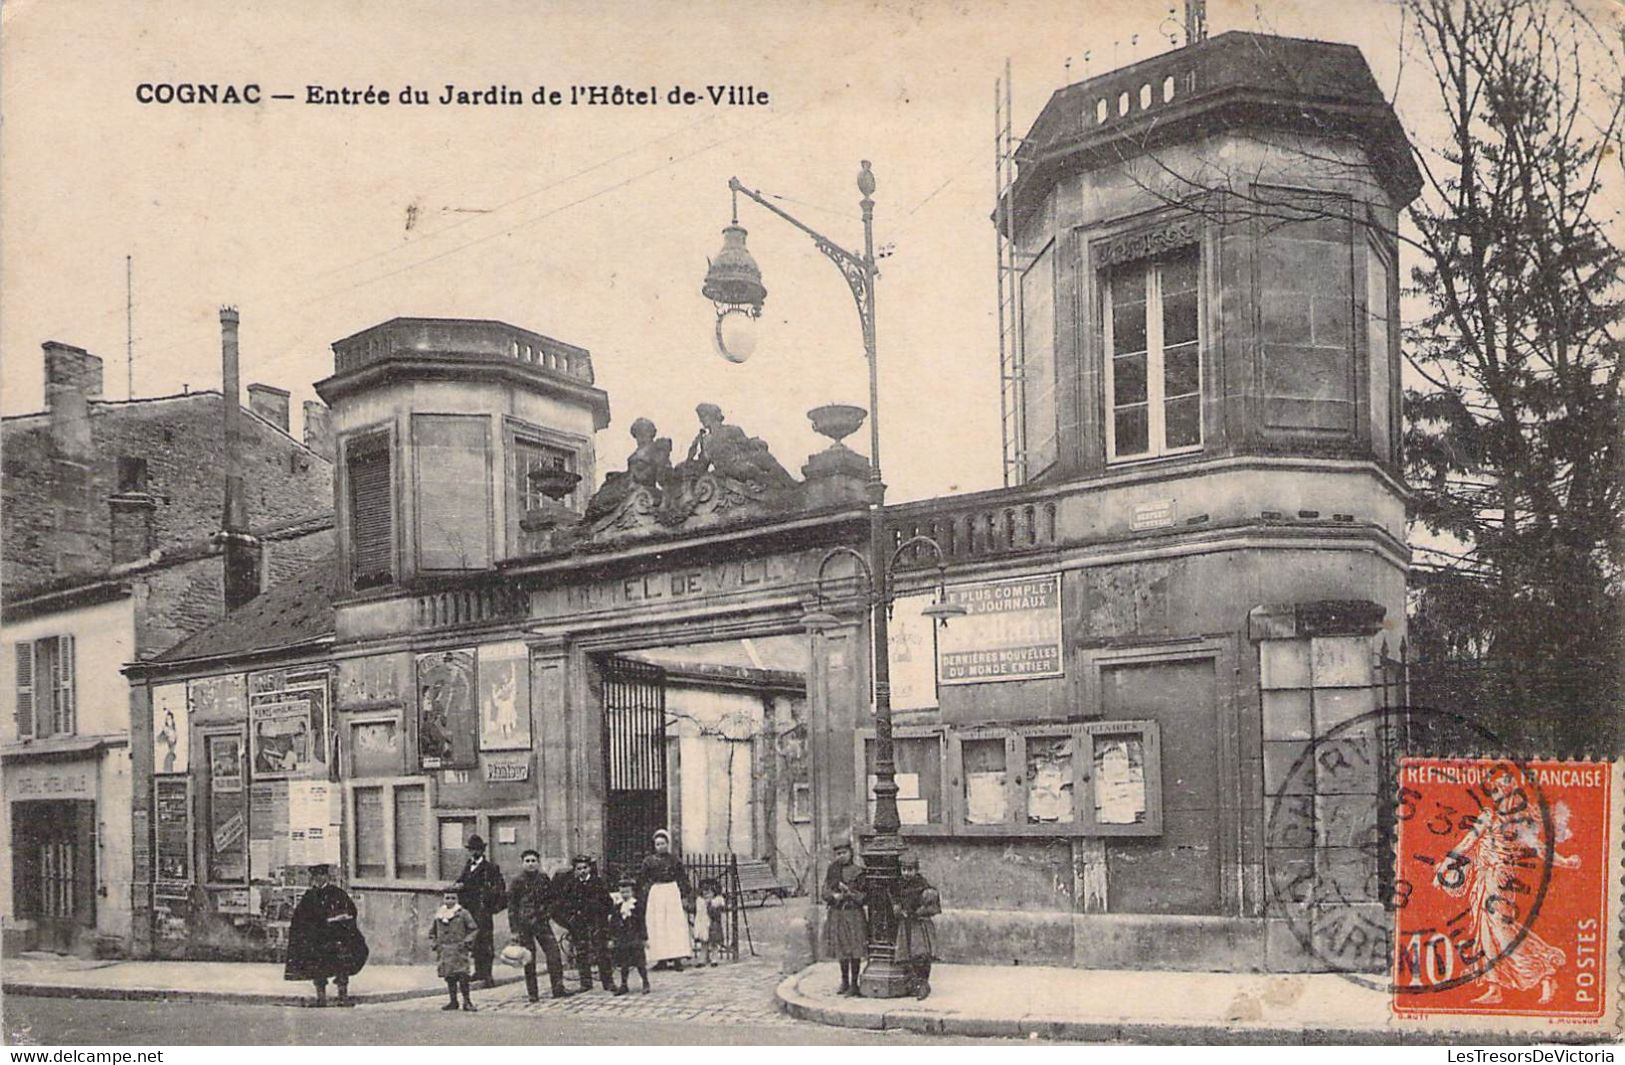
{"x": 667, "y": 900}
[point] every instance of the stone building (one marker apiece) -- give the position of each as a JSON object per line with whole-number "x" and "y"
{"x": 1202, "y": 568}
{"x": 109, "y": 557}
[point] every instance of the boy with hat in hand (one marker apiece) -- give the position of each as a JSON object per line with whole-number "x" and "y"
{"x": 532, "y": 900}
{"x": 484, "y": 894}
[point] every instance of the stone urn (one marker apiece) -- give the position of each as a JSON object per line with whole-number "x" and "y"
{"x": 837, "y": 475}
{"x": 837, "y": 420}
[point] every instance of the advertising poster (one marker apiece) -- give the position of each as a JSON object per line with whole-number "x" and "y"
{"x": 213, "y": 699}
{"x": 291, "y": 749}
{"x": 504, "y": 681}
{"x": 912, "y": 639}
{"x": 1012, "y": 631}
{"x": 313, "y": 830}
{"x": 170, "y": 729}
{"x": 375, "y": 748}
{"x": 228, "y": 810}
{"x": 281, "y": 737}
{"x": 172, "y": 809}
{"x": 268, "y": 829}
{"x": 1119, "y": 775}
{"x": 446, "y": 711}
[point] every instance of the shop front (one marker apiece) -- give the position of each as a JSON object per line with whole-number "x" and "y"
{"x": 52, "y": 835}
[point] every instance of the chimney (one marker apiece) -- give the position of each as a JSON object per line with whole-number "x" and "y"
{"x": 73, "y": 377}
{"x": 270, "y": 403}
{"x": 241, "y": 551}
{"x": 319, "y": 429}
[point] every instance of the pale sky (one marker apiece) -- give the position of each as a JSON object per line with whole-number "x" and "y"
{"x": 589, "y": 224}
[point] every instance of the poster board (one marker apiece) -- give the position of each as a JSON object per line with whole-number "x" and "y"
{"x": 1011, "y": 631}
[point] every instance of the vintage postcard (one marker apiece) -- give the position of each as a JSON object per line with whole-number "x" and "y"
{"x": 857, "y": 522}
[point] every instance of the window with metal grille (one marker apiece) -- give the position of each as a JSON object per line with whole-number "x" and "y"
{"x": 46, "y": 703}
{"x": 372, "y": 527}
{"x": 1153, "y": 357}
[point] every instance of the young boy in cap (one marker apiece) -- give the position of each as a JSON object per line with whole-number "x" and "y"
{"x": 626, "y": 933}
{"x": 583, "y": 909}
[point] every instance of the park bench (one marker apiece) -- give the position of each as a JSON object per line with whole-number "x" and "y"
{"x": 758, "y": 881}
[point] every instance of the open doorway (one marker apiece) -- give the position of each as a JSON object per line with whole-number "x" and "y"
{"x": 709, "y": 740}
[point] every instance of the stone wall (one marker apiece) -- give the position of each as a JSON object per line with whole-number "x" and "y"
{"x": 178, "y": 436}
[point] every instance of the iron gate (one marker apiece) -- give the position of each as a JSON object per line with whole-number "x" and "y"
{"x": 634, "y": 760}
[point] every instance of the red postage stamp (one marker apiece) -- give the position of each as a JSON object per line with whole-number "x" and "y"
{"x": 1504, "y": 898}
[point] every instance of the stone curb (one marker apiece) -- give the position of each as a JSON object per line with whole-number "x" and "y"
{"x": 246, "y": 998}
{"x": 914, "y": 1018}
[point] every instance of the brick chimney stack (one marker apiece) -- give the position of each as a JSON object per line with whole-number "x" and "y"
{"x": 73, "y": 377}
{"x": 270, "y": 403}
{"x": 319, "y": 428}
{"x": 242, "y": 552}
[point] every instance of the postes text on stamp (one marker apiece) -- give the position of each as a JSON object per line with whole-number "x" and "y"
{"x": 1505, "y": 872}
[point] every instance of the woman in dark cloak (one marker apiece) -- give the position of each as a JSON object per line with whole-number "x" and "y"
{"x": 323, "y": 940}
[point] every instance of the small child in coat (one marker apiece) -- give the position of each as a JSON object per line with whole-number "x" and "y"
{"x": 626, "y": 933}
{"x": 708, "y": 921}
{"x": 451, "y": 935}
{"x": 916, "y": 902}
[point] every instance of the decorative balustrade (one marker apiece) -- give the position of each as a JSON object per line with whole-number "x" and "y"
{"x": 467, "y": 606}
{"x": 974, "y": 532}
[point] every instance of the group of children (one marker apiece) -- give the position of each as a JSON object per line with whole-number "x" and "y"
{"x": 452, "y": 932}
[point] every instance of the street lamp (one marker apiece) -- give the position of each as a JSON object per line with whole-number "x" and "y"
{"x": 733, "y": 283}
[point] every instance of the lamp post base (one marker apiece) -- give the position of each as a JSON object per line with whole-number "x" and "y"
{"x": 884, "y": 978}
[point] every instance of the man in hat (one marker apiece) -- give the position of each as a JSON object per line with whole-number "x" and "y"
{"x": 532, "y": 903}
{"x": 484, "y": 894}
{"x": 323, "y": 940}
{"x": 583, "y": 908}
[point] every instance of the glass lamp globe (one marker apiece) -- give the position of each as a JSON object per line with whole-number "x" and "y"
{"x": 735, "y": 334}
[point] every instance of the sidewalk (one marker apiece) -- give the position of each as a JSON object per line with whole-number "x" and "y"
{"x": 1112, "y": 1006}
{"x": 58, "y": 976}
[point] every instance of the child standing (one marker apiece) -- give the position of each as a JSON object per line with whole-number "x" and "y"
{"x": 916, "y": 903}
{"x": 626, "y": 933}
{"x": 708, "y": 921}
{"x": 451, "y": 934}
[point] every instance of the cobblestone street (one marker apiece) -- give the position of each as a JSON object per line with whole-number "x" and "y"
{"x": 738, "y": 993}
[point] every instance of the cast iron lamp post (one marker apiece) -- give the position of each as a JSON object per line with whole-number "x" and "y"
{"x": 733, "y": 283}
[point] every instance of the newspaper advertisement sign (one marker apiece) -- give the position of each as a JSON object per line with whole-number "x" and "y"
{"x": 1012, "y": 631}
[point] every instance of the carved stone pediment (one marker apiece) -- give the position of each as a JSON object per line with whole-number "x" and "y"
{"x": 728, "y": 476}
{"x": 691, "y": 503}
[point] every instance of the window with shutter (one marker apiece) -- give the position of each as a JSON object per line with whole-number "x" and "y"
{"x": 372, "y": 534}
{"x": 47, "y": 685}
{"x": 63, "y": 717}
{"x": 25, "y": 690}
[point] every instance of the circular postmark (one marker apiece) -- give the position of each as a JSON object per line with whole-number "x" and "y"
{"x": 1403, "y": 870}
